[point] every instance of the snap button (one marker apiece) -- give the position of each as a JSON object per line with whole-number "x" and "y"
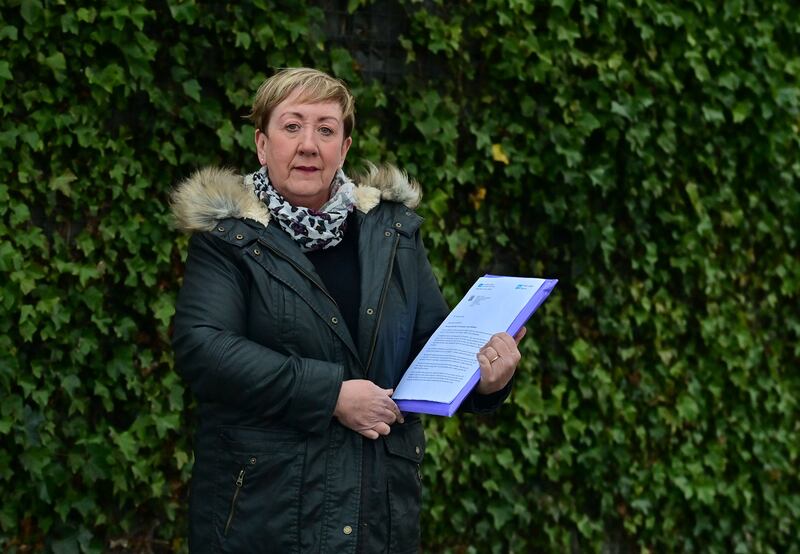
{"x": 417, "y": 450}
{"x": 398, "y": 224}
{"x": 370, "y": 311}
{"x": 347, "y": 530}
{"x": 256, "y": 251}
{"x": 387, "y": 234}
{"x": 252, "y": 460}
{"x": 220, "y": 228}
{"x": 334, "y": 320}
{"x": 239, "y": 236}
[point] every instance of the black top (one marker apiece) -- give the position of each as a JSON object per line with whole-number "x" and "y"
{"x": 337, "y": 266}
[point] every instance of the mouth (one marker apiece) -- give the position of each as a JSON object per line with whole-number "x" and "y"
{"x": 306, "y": 168}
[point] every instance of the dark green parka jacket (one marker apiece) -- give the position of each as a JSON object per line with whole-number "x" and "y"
{"x": 265, "y": 349}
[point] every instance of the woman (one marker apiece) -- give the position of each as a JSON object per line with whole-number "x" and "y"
{"x": 305, "y": 298}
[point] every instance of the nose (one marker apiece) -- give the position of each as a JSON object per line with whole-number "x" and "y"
{"x": 308, "y": 143}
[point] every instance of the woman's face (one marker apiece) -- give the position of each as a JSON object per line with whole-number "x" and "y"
{"x": 302, "y": 147}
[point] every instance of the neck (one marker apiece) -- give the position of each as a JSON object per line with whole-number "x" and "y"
{"x": 314, "y": 203}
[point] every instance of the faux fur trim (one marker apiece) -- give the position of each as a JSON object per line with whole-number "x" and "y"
{"x": 393, "y": 184}
{"x": 212, "y": 194}
{"x": 367, "y": 198}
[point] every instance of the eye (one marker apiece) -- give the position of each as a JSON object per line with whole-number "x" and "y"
{"x": 326, "y": 131}
{"x": 292, "y": 127}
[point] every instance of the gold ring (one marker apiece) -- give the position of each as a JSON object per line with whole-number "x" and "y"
{"x": 493, "y": 360}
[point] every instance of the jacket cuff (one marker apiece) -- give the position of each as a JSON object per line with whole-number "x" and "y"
{"x": 486, "y": 403}
{"x": 317, "y": 393}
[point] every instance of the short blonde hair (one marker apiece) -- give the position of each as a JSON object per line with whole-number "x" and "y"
{"x": 316, "y": 85}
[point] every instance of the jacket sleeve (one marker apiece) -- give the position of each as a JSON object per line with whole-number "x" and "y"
{"x": 478, "y": 403}
{"x": 223, "y": 366}
{"x": 431, "y": 312}
{"x": 431, "y": 309}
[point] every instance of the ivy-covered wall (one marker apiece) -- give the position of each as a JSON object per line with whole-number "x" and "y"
{"x": 643, "y": 152}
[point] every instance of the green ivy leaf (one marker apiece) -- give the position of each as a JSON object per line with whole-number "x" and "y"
{"x": 57, "y": 62}
{"x": 192, "y": 89}
{"x": 31, "y": 11}
{"x": 62, "y": 183}
{"x": 8, "y": 32}
{"x": 5, "y": 71}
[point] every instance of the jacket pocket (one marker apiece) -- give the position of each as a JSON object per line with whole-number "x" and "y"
{"x": 258, "y": 481}
{"x": 405, "y": 447}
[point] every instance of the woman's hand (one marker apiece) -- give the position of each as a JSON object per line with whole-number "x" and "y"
{"x": 366, "y": 408}
{"x": 498, "y": 360}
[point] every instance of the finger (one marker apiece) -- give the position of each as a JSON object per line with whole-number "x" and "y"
{"x": 493, "y": 348}
{"x": 485, "y": 365}
{"x": 386, "y": 415}
{"x": 506, "y": 347}
{"x": 398, "y": 415}
{"x": 389, "y": 392}
{"x": 487, "y": 374}
{"x": 489, "y": 351}
{"x": 388, "y": 411}
{"x": 503, "y": 343}
{"x": 382, "y": 429}
{"x": 513, "y": 346}
{"x": 370, "y": 434}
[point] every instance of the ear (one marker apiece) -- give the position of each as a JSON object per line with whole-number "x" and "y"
{"x": 345, "y": 147}
{"x": 261, "y": 146}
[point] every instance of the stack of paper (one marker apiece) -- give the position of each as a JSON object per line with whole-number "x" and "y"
{"x": 446, "y": 369}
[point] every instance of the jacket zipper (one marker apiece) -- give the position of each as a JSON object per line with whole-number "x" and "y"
{"x": 298, "y": 268}
{"x": 239, "y": 484}
{"x": 380, "y": 306}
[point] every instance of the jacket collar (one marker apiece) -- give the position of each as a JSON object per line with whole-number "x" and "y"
{"x": 212, "y": 194}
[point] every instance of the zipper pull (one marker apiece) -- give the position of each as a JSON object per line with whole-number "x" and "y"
{"x": 239, "y": 483}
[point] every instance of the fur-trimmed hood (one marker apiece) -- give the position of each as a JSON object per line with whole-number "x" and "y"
{"x": 213, "y": 194}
